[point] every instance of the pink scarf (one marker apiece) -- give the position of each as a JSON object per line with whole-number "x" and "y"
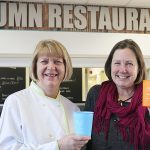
{"x": 131, "y": 117}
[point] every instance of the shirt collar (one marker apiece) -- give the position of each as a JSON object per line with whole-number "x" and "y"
{"x": 39, "y": 91}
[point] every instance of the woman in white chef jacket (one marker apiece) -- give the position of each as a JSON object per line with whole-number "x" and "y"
{"x": 38, "y": 117}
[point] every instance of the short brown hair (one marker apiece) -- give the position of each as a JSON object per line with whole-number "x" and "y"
{"x": 128, "y": 43}
{"x": 52, "y": 48}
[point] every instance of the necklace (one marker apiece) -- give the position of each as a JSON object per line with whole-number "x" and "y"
{"x": 122, "y": 101}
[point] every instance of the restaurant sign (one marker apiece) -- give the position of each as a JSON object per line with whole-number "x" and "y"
{"x": 57, "y": 17}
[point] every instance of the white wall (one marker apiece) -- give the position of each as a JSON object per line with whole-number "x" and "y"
{"x": 86, "y": 49}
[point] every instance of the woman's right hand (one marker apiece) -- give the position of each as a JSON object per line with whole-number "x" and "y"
{"x": 72, "y": 142}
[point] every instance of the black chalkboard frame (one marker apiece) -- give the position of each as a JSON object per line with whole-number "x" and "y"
{"x": 12, "y": 79}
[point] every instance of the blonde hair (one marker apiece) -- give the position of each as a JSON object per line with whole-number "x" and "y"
{"x": 51, "y": 48}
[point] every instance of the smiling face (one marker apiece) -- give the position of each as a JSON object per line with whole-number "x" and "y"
{"x": 124, "y": 68}
{"x": 50, "y": 74}
{"x": 51, "y": 64}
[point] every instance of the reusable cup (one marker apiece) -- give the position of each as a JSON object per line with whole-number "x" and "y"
{"x": 146, "y": 93}
{"x": 83, "y": 122}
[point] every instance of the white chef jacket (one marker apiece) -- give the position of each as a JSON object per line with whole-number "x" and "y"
{"x": 32, "y": 121}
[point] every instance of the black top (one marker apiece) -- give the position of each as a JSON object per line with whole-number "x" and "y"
{"x": 98, "y": 142}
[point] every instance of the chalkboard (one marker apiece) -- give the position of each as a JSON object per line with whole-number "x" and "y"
{"x": 11, "y": 80}
{"x": 72, "y": 89}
